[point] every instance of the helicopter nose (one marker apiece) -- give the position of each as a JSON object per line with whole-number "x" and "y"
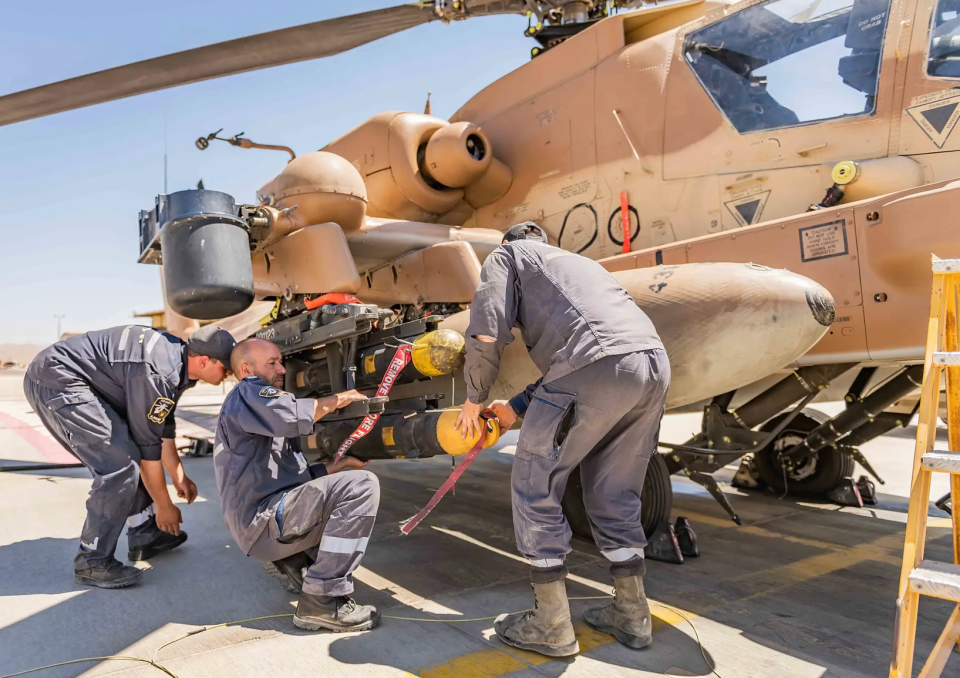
{"x": 821, "y": 304}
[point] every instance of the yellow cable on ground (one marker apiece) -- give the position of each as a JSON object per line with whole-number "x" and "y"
{"x": 153, "y": 662}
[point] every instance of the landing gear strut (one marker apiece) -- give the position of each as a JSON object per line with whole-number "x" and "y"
{"x": 794, "y": 449}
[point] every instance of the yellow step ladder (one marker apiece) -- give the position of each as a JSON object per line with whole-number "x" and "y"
{"x": 920, "y": 577}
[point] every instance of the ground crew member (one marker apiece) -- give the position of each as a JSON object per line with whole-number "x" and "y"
{"x": 598, "y": 405}
{"x": 108, "y": 396}
{"x": 281, "y": 510}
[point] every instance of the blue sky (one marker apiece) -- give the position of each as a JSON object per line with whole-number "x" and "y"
{"x": 71, "y": 185}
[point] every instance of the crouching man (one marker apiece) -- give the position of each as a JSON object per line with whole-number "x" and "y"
{"x": 281, "y": 510}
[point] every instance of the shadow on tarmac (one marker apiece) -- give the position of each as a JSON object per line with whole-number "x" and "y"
{"x": 813, "y": 584}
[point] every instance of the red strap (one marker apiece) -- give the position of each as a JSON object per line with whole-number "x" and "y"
{"x": 400, "y": 360}
{"x": 407, "y": 526}
{"x": 331, "y": 298}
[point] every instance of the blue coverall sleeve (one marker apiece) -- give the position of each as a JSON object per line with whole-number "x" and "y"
{"x": 521, "y": 401}
{"x": 493, "y": 313}
{"x": 150, "y": 403}
{"x": 170, "y": 425}
{"x": 276, "y": 414}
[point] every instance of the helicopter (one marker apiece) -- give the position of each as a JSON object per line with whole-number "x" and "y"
{"x": 805, "y": 144}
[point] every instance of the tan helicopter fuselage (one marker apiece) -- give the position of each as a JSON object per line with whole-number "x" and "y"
{"x": 616, "y": 109}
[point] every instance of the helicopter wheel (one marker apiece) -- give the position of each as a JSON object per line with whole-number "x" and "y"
{"x": 815, "y": 475}
{"x": 656, "y": 500}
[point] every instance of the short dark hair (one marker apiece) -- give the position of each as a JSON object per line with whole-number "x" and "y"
{"x": 528, "y": 230}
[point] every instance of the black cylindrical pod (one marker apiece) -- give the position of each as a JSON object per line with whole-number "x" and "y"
{"x": 206, "y": 255}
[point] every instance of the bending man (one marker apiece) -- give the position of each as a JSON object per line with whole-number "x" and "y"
{"x": 281, "y": 510}
{"x": 597, "y": 406}
{"x": 108, "y": 397}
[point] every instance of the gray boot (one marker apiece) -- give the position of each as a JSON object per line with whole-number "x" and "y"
{"x": 336, "y": 613}
{"x": 628, "y": 617}
{"x": 110, "y": 575}
{"x": 546, "y": 628}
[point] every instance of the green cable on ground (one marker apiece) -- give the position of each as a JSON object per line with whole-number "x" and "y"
{"x": 96, "y": 659}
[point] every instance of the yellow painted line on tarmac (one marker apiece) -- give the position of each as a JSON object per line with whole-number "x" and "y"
{"x": 758, "y": 531}
{"x": 877, "y": 550}
{"x": 493, "y": 662}
{"x": 481, "y": 664}
{"x": 817, "y": 566}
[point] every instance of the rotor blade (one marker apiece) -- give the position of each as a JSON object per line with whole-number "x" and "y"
{"x": 284, "y": 46}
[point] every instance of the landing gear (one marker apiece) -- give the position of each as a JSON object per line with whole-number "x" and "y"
{"x": 656, "y": 500}
{"x": 816, "y": 474}
{"x": 794, "y": 449}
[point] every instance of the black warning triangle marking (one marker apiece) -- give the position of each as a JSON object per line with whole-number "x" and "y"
{"x": 748, "y": 210}
{"x": 938, "y": 117}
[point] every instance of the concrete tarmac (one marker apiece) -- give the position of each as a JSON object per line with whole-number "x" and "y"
{"x": 803, "y": 590}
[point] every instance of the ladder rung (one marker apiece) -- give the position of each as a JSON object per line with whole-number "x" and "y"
{"x": 946, "y": 358}
{"x": 937, "y": 579}
{"x": 946, "y": 266}
{"x": 941, "y": 460}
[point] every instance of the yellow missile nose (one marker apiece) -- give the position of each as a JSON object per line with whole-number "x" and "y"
{"x": 439, "y": 352}
{"x": 450, "y": 440}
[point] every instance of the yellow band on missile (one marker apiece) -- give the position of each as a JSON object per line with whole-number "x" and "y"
{"x": 439, "y": 352}
{"x": 450, "y": 440}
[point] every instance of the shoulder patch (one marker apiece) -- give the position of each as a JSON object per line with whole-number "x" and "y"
{"x": 270, "y": 392}
{"x": 160, "y": 409}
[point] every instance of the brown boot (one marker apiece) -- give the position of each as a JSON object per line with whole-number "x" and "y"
{"x": 628, "y": 617}
{"x": 546, "y": 628}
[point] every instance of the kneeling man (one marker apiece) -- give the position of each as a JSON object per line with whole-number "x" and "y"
{"x": 281, "y": 510}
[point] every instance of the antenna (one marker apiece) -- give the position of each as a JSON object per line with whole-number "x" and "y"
{"x": 165, "y": 152}
{"x": 59, "y": 318}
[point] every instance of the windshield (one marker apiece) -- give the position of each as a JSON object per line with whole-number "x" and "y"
{"x": 944, "y": 60}
{"x": 789, "y": 62}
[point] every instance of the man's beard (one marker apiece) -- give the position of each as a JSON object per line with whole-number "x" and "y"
{"x": 278, "y": 381}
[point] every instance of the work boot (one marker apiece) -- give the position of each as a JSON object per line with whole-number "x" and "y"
{"x": 335, "y": 613}
{"x": 289, "y": 571}
{"x": 111, "y": 575}
{"x": 627, "y": 618}
{"x": 163, "y": 543}
{"x": 546, "y": 628}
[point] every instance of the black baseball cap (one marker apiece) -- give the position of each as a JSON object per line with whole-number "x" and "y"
{"x": 528, "y": 230}
{"x": 212, "y": 342}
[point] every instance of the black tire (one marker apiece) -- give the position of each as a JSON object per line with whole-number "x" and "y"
{"x": 819, "y": 475}
{"x": 656, "y": 500}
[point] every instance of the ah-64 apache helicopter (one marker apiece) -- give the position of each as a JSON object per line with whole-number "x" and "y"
{"x": 808, "y": 140}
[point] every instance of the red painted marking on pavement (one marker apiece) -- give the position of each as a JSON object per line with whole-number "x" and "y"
{"x": 48, "y": 448}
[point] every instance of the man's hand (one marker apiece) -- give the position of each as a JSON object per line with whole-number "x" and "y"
{"x": 186, "y": 488}
{"x": 327, "y": 405}
{"x": 468, "y": 421}
{"x": 504, "y": 413}
{"x": 345, "y": 464}
{"x": 347, "y": 397}
{"x": 169, "y": 518}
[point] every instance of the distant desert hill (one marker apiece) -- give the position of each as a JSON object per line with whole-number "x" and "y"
{"x": 19, "y": 353}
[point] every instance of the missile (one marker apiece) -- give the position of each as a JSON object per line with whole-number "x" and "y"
{"x": 723, "y": 325}
{"x": 397, "y": 436}
{"x": 433, "y": 354}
